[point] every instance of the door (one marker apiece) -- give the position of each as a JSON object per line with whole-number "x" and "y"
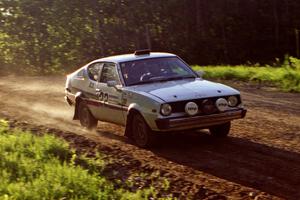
{"x": 111, "y": 97}
{"x": 90, "y": 85}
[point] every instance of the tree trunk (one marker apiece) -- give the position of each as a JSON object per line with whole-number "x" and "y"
{"x": 276, "y": 24}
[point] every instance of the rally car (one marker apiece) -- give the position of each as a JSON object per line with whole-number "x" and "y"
{"x": 150, "y": 93}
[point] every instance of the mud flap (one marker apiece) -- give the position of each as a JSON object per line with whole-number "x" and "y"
{"x": 78, "y": 99}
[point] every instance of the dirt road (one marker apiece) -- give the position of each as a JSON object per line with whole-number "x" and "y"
{"x": 259, "y": 160}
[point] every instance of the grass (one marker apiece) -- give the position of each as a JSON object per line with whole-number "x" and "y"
{"x": 286, "y": 76}
{"x": 44, "y": 167}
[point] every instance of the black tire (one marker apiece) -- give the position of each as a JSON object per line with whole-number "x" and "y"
{"x": 86, "y": 118}
{"x": 142, "y": 135}
{"x": 221, "y": 130}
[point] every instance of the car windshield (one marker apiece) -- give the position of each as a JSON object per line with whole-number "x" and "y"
{"x": 155, "y": 69}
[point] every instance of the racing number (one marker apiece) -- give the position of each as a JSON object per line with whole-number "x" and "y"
{"x": 105, "y": 98}
{"x": 102, "y": 96}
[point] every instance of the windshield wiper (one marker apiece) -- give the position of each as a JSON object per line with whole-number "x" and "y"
{"x": 142, "y": 82}
{"x": 177, "y": 78}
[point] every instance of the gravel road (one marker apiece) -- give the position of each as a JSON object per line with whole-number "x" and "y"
{"x": 259, "y": 160}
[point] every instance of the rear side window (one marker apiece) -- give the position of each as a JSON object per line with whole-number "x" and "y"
{"x": 109, "y": 73}
{"x": 80, "y": 74}
{"x": 94, "y": 71}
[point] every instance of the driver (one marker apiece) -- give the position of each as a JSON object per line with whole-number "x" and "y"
{"x": 153, "y": 70}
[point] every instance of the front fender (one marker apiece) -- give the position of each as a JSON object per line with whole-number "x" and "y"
{"x": 149, "y": 112}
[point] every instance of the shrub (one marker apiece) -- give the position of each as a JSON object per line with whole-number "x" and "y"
{"x": 286, "y": 77}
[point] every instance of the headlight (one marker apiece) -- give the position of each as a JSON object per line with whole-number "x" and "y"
{"x": 233, "y": 101}
{"x": 166, "y": 109}
{"x": 222, "y": 104}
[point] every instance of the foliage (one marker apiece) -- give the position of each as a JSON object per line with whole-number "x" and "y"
{"x": 42, "y": 36}
{"x": 33, "y": 167}
{"x": 286, "y": 77}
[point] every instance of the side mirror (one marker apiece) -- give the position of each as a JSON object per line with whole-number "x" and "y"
{"x": 200, "y": 73}
{"x": 113, "y": 84}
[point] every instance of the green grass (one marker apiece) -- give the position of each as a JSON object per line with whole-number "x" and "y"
{"x": 44, "y": 167}
{"x": 286, "y": 76}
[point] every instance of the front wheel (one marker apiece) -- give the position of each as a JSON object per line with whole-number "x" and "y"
{"x": 141, "y": 133}
{"x": 221, "y": 130}
{"x": 86, "y": 118}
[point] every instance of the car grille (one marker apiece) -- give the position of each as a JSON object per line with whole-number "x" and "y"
{"x": 206, "y": 106}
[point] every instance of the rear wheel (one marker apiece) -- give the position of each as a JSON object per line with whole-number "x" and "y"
{"x": 141, "y": 133}
{"x": 86, "y": 118}
{"x": 221, "y": 130}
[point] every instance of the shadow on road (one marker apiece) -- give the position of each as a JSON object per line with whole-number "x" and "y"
{"x": 238, "y": 160}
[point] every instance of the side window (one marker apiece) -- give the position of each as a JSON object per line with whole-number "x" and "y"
{"x": 109, "y": 73}
{"x": 80, "y": 74}
{"x": 94, "y": 71}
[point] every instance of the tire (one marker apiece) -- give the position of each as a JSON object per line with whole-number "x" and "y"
{"x": 221, "y": 130}
{"x": 142, "y": 135}
{"x": 87, "y": 120}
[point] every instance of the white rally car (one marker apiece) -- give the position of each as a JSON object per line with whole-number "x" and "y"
{"x": 150, "y": 93}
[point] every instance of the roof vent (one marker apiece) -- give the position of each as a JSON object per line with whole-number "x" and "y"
{"x": 142, "y": 52}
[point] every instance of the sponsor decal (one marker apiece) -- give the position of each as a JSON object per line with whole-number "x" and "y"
{"x": 92, "y": 85}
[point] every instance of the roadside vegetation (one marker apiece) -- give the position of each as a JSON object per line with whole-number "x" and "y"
{"x": 45, "y": 167}
{"x": 285, "y": 75}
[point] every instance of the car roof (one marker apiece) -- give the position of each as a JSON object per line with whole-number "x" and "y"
{"x": 132, "y": 57}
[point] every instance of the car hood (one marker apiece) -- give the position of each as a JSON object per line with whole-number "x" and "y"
{"x": 185, "y": 89}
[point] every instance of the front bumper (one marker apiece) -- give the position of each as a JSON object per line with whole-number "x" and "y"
{"x": 206, "y": 121}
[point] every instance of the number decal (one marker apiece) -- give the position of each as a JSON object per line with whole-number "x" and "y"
{"x": 100, "y": 95}
{"x": 105, "y": 98}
